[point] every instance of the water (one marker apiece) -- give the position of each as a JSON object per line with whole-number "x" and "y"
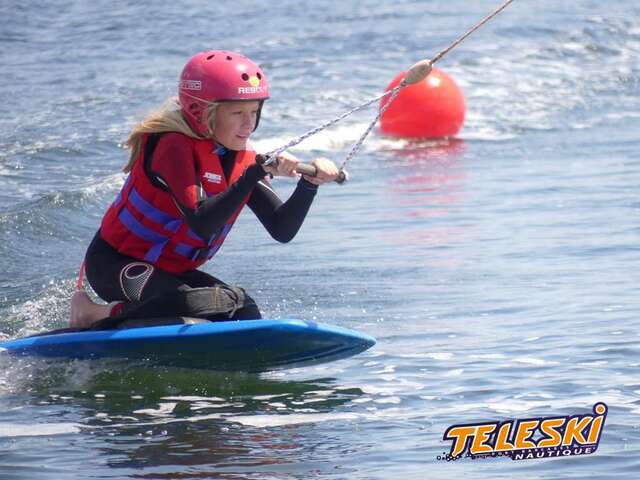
{"x": 497, "y": 271}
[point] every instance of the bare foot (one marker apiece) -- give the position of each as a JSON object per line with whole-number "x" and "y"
{"x": 84, "y": 312}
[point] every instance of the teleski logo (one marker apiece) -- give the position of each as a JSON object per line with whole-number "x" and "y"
{"x": 528, "y": 438}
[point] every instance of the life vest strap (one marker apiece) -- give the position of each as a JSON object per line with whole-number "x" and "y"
{"x": 169, "y": 222}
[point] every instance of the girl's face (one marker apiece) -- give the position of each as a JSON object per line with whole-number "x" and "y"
{"x": 235, "y": 122}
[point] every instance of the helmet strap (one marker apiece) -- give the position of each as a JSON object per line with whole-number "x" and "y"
{"x": 258, "y": 115}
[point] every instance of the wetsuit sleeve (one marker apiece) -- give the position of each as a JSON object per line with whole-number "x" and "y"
{"x": 282, "y": 220}
{"x": 172, "y": 168}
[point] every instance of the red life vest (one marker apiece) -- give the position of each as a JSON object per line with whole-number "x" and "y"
{"x": 144, "y": 222}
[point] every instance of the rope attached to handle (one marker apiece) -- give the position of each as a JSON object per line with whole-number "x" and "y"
{"x": 416, "y": 73}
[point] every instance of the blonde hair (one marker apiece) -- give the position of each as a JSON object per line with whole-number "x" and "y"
{"x": 168, "y": 119}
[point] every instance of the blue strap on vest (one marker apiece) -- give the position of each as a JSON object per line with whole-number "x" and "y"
{"x": 134, "y": 226}
{"x": 158, "y": 216}
{"x": 206, "y": 252}
{"x": 168, "y": 222}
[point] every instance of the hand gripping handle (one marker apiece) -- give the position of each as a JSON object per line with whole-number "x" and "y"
{"x": 303, "y": 168}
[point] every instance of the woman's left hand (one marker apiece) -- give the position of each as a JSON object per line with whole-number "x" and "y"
{"x": 326, "y": 171}
{"x": 284, "y": 167}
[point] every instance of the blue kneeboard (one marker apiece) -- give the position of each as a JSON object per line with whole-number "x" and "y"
{"x": 248, "y": 345}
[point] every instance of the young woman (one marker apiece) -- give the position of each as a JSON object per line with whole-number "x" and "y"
{"x": 191, "y": 172}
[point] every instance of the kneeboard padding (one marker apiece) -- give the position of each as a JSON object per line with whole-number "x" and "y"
{"x": 248, "y": 345}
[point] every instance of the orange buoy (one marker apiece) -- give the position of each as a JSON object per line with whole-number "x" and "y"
{"x": 431, "y": 108}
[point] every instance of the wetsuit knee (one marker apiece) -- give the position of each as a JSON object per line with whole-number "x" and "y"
{"x": 247, "y": 309}
{"x": 222, "y": 302}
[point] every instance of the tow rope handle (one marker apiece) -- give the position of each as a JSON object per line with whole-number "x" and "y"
{"x": 302, "y": 168}
{"x": 311, "y": 171}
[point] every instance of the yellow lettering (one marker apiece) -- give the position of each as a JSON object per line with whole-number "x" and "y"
{"x": 501, "y": 439}
{"x": 548, "y": 428}
{"x": 460, "y": 434}
{"x": 574, "y": 430}
{"x": 524, "y": 432}
{"x": 596, "y": 426}
{"x": 479, "y": 444}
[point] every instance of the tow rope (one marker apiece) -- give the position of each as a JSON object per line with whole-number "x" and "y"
{"x": 419, "y": 71}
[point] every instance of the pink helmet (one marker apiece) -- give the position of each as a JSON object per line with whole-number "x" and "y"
{"x": 218, "y": 75}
